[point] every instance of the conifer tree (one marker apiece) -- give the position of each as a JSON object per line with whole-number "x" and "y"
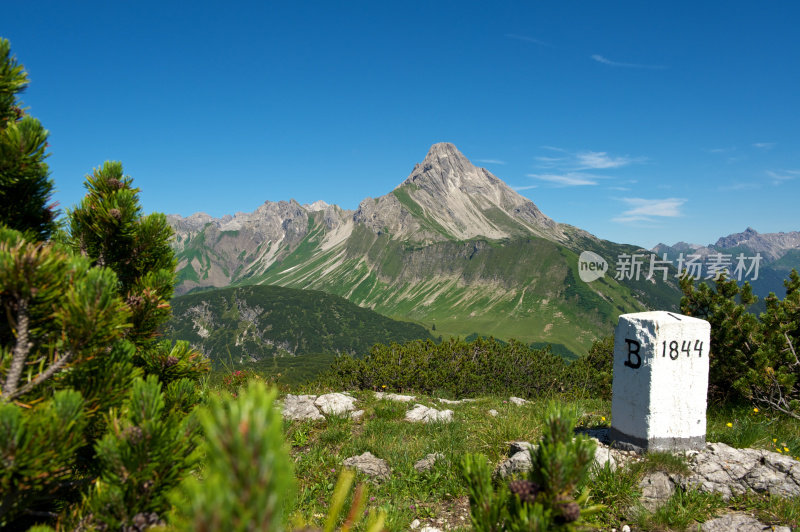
{"x": 79, "y": 321}
{"x": 25, "y": 187}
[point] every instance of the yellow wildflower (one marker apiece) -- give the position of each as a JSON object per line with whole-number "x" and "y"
{"x": 786, "y": 449}
{"x": 602, "y": 418}
{"x": 729, "y": 424}
{"x": 755, "y": 410}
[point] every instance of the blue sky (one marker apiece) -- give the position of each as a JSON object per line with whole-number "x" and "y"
{"x": 640, "y": 122}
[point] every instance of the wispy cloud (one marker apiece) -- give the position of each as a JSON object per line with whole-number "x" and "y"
{"x": 781, "y": 176}
{"x": 490, "y": 161}
{"x": 584, "y": 160}
{"x": 648, "y": 210}
{"x": 571, "y": 179}
{"x": 764, "y": 145}
{"x": 525, "y": 187}
{"x": 597, "y": 160}
{"x": 600, "y": 59}
{"x": 528, "y": 39}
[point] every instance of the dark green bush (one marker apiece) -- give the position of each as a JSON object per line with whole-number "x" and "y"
{"x": 455, "y": 367}
{"x": 752, "y": 358}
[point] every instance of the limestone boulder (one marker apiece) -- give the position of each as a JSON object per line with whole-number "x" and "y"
{"x": 424, "y": 414}
{"x": 370, "y": 465}
{"x": 301, "y": 407}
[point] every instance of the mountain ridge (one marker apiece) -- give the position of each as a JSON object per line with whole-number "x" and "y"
{"x": 452, "y": 244}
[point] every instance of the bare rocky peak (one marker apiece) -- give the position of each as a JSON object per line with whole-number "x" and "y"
{"x": 445, "y": 169}
{"x": 318, "y": 205}
{"x": 465, "y": 199}
{"x": 771, "y": 245}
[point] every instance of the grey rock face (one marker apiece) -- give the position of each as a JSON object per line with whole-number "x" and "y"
{"x": 370, "y": 465}
{"x": 300, "y": 407}
{"x": 335, "y": 403}
{"x": 604, "y": 455}
{"x": 424, "y": 414}
{"x": 520, "y": 462}
{"x": 656, "y": 488}
{"x": 723, "y": 469}
{"x": 427, "y": 463}
{"x": 740, "y": 523}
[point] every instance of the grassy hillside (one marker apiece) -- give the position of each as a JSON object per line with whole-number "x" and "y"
{"x": 272, "y": 327}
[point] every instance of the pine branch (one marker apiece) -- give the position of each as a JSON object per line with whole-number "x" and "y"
{"x": 20, "y": 352}
{"x": 54, "y": 368}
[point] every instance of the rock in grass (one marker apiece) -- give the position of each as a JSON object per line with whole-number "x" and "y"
{"x": 657, "y": 488}
{"x": 426, "y": 464}
{"x": 519, "y": 401}
{"x": 395, "y": 397}
{"x": 424, "y": 414}
{"x": 298, "y": 407}
{"x": 519, "y": 462}
{"x": 370, "y": 465}
{"x": 493, "y": 412}
{"x": 335, "y": 403}
{"x": 451, "y": 402}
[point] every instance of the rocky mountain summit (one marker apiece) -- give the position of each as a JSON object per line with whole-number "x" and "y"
{"x": 446, "y": 197}
{"x": 772, "y": 246}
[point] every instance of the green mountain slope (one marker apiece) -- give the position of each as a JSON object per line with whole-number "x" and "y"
{"x": 252, "y": 325}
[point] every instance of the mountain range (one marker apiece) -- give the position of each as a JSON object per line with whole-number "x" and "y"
{"x": 779, "y": 253}
{"x": 452, "y": 247}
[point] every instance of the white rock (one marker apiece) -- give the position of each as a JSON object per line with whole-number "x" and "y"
{"x": 660, "y": 381}
{"x": 424, "y": 414}
{"x": 430, "y": 529}
{"x": 335, "y": 403}
{"x": 518, "y": 400}
{"x": 369, "y": 464}
{"x": 356, "y": 415}
{"x": 300, "y": 407}
{"x": 395, "y": 397}
{"x": 625, "y": 528}
{"x": 493, "y": 412}
{"x": 451, "y": 402}
{"x": 414, "y": 524}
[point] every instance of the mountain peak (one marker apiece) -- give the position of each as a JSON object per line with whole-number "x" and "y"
{"x": 443, "y": 149}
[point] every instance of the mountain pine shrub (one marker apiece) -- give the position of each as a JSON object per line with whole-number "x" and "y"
{"x": 247, "y": 480}
{"x": 96, "y": 422}
{"x": 25, "y": 186}
{"x": 752, "y": 358}
{"x": 546, "y": 498}
{"x": 455, "y": 367}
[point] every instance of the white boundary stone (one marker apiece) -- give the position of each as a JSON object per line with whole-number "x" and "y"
{"x": 660, "y": 381}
